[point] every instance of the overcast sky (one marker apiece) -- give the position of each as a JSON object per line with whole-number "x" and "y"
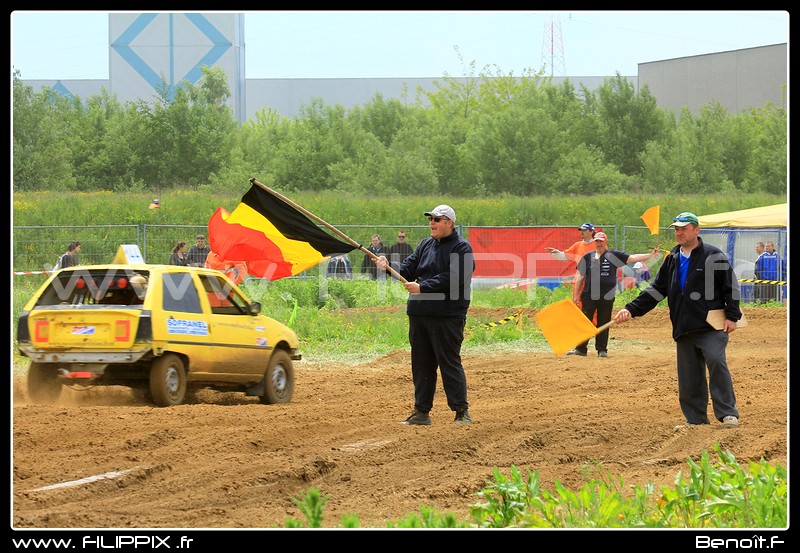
{"x": 339, "y": 44}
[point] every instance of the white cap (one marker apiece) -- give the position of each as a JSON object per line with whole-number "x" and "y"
{"x": 638, "y": 265}
{"x": 442, "y": 211}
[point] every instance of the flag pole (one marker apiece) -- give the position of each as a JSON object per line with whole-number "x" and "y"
{"x": 342, "y": 235}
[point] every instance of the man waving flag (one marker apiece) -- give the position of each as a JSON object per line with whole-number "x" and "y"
{"x": 273, "y": 237}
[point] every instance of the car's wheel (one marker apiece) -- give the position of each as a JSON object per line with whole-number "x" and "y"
{"x": 43, "y": 383}
{"x": 279, "y": 379}
{"x": 168, "y": 380}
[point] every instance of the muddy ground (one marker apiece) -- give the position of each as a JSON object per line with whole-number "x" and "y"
{"x": 230, "y": 462}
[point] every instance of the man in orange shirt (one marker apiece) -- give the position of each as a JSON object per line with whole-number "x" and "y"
{"x": 575, "y": 252}
{"x": 236, "y": 270}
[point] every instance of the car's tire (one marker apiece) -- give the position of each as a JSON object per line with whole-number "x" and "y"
{"x": 279, "y": 379}
{"x": 44, "y": 385}
{"x": 168, "y": 380}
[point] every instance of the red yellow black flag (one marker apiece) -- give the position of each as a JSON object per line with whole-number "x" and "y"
{"x": 274, "y": 238}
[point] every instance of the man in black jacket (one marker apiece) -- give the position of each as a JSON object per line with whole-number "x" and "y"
{"x": 376, "y": 247}
{"x": 438, "y": 278}
{"x": 400, "y": 249}
{"x": 696, "y": 278}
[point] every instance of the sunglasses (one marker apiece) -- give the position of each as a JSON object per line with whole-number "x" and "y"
{"x": 681, "y": 220}
{"x": 401, "y": 236}
{"x": 436, "y": 219}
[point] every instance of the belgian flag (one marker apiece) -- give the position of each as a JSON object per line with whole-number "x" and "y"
{"x": 273, "y": 237}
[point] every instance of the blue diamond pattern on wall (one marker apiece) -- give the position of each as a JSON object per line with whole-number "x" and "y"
{"x": 125, "y": 47}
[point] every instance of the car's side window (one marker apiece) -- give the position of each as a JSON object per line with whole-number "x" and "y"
{"x": 222, "y": 297}
{"x": 180, "y": 294}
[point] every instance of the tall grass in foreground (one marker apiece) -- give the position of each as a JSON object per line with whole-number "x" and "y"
{"x": 714, "y": 495}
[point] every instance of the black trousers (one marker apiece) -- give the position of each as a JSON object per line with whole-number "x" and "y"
{"x": 603, "y": 307}
{"x": 436, "y": 342}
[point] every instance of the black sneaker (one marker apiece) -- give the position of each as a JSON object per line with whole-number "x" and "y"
{"x": 602, "y": 354}
{"x": 418, "y": 417}
{"x": 462, "y": 417}
{"x": 576, "y": 352}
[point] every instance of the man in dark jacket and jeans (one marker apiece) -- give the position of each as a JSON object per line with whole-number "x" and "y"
{"x": 696, "y": 278}
{"x": 439, "y": 277}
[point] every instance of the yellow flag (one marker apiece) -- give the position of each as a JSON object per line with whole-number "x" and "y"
{"x": 650, "y": 218}
{"x": 564, "y": 326}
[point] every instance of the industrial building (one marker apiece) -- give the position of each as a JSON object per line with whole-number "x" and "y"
{"x": 145, "y": 48}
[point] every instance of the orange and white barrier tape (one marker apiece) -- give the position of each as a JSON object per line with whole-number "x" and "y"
{"x": 18, "y": 273}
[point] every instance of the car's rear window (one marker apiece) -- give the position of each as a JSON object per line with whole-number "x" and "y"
{"x": 95, "y": 287}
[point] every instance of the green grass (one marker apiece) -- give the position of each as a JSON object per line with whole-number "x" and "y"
{"x": 715, "y": 493}
{"x": 195, "y": 207}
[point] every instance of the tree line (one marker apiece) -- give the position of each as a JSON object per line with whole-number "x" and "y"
{"x": 488, "y": 134}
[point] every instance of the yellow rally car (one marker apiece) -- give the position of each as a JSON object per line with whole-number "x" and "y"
{"x": 159, "y": 328}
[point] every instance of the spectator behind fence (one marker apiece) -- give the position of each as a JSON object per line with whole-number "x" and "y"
{"x": 178, "y": 255}
{"x": 400, "y": 249}
{"x": 758, "y": 287}
{"x": 339, "y": 266}
{"x": 642, "y": 274}
{"x": 198, "y": 253}
{"x": 368, "y": 266}
{"x": 235, "y": 270}
{"x": 768, "y": 268}
{"x": 70, "y": 257}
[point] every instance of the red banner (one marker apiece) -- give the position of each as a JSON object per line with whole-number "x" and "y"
{"x": 519, "y": 253}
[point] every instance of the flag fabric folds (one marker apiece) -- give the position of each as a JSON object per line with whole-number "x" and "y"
{"x": 651, "y": 217}
{"x": 564, "y": 326}
{"x": 274, "y": 238}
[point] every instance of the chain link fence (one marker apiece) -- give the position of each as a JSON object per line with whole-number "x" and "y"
{"x": 35, "y": 249}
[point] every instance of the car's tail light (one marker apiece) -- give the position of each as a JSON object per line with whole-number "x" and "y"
{"x": 82, "y": 374}
{"x": 122, "y": 330}
{"x": 41, "y": 331}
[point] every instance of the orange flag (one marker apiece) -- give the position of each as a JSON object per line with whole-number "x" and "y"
{"x": 651, "y": 217}
{"x": 565, "y": 326}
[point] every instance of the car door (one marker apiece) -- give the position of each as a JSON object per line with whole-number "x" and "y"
{"x": 239, "y": 339}
{"x": 186, "y": 327}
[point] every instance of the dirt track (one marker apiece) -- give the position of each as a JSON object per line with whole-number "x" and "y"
{"x": 230, "y": 462}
